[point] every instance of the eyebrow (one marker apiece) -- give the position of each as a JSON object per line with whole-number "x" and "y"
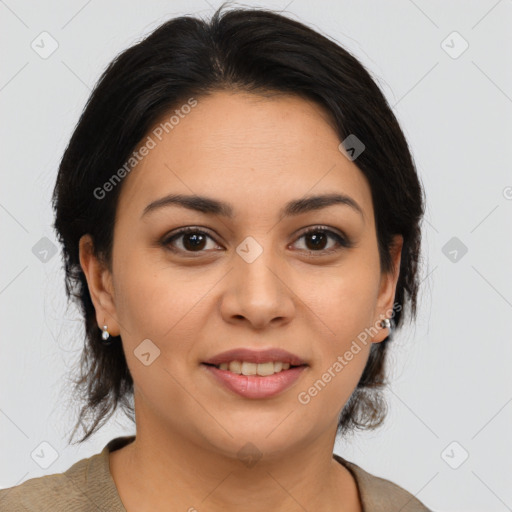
{"x": 212, "y": 206}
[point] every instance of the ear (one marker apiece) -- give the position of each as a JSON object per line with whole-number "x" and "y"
{"x": 99, "y": 282}
{"x": 387, "y": 289}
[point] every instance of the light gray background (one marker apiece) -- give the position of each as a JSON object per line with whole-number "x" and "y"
{"x": 451, "y": 370}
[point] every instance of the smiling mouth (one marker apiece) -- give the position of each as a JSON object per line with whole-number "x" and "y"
{"x": 248, "y": 368}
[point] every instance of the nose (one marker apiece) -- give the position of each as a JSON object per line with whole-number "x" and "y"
{"x": 258, "y": 293}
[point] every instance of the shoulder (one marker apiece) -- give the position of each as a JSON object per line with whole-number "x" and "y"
{"x": 67, "y": 491}
{"x": 56, "y": 491}
{"x": 381, "y": 495}
{"x": 85, "y": 486}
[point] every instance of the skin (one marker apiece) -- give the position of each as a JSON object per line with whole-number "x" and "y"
{"x": 241, "y": 149}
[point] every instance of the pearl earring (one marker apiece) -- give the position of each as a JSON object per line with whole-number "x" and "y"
{"x": 386, "y": 323}
{"x": 105, "y": 334}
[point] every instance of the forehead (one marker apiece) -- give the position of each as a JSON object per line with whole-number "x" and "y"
{"x": 243, "y": 148}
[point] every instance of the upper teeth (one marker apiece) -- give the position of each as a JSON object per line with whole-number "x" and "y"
{"x": 262, "y": 369}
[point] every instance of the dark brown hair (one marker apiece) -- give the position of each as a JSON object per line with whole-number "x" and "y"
{"x": 250, "y": 50}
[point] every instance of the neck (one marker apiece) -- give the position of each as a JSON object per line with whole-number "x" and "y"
{"x": 162, "y": 472}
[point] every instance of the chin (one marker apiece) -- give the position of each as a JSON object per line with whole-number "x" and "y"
{"x": 268, "y": 433}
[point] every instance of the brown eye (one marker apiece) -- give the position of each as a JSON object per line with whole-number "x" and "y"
{"x": 317, "y": 240}
{"x": 192, "y": 240}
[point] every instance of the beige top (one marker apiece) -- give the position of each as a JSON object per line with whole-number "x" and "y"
{"x": 88, "y": 486}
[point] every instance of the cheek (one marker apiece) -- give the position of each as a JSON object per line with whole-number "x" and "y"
{"x": 330, "y": 386}
{"x": 162, "y": 304}
{"x": 343, "y": 302}
{"x": 337, "y": 368}
{"x": 152, "y": 299}
{"x": 163, "y": 307}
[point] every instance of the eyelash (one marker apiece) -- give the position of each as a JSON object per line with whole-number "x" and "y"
{"x": 342, "y": 241}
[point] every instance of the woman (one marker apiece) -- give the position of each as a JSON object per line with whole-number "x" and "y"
{"x": 240, "y": 219}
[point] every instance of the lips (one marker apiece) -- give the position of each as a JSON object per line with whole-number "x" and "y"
{"x": 273, "y": 355}
{"x": 255, "y": 374}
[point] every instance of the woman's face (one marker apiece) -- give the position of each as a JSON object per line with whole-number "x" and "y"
{"x": 247, "y": 276}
